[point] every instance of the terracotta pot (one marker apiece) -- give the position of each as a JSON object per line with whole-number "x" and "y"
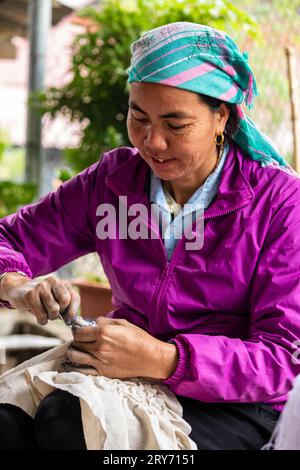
{"x": 95, "y": 298}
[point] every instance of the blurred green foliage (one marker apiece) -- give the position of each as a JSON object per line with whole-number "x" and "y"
{"x": 64, "y": 174}
{"x": 3, "y": 143}
{"x": 12, "y": 163}
{"x": 96, "y": 278}
{"x": 97, "y": 94}
{"x": 13, "y": 194}
{"x": 287, "y": 12}
{"x": 279, "y": 21}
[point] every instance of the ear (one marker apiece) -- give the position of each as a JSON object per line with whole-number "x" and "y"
{"x": 222, "y": 116}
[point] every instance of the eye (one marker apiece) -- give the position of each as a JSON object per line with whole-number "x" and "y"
{"x": 139, "y": 120}
{"x": 176, "y": 128}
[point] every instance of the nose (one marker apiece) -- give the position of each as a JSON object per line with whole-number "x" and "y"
{"x": 155, "y": 139}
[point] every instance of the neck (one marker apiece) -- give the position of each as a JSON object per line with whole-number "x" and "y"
{"x": 182, "y": 189}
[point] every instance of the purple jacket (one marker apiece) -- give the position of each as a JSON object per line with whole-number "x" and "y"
{"x": 232, "y": 307}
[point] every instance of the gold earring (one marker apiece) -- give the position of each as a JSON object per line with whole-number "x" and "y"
{"x": 219, "y": 143}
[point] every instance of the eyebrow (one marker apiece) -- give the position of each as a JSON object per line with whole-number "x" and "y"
{"x": 174, "y": 114}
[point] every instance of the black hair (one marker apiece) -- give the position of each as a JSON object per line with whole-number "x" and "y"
{"x": 214, "y": 105}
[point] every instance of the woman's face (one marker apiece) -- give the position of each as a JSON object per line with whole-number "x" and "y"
{"x": 173, "y": 125}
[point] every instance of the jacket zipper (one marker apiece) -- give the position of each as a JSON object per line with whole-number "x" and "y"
{"x": 146, "y": 223}
{"x": 161, "y": 287}
{"x": 170, "y": 266}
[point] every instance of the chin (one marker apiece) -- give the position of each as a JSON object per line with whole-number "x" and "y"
{"x": 164, "y": 176}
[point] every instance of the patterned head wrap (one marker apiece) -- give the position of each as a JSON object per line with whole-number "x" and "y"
{"x": 204, "y": 60}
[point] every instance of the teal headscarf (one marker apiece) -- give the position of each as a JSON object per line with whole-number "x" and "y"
{"x": 205, "y": 60}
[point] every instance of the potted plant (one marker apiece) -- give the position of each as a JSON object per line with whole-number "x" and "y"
{"x": 95, "y": 294}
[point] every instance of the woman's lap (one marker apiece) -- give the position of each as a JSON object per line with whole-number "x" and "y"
{"x": 16, "y": 429}
{"x": 58, "y": 422}
{"x": 215, "y": 426}
{"x": 229, "y": 426}
{"x": 57, "y": 425}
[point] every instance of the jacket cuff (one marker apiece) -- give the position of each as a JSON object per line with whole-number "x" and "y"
{"x": 182, "y": 365}
{"x": 5, "y": 304}
{"x": 11, "y": 269}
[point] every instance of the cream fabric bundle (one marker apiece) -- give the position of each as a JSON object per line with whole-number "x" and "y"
{"x": 116, "y": 414}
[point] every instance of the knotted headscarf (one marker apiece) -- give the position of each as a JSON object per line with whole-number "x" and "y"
{"x": 204, "y": 60}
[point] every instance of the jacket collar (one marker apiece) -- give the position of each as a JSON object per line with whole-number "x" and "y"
{"x": 132, "y": 178}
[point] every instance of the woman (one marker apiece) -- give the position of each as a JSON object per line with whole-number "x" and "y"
{"x": 215, "y": 321}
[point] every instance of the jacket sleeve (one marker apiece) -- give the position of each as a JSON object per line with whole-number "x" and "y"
{"x": 262, "y": 367}
{"x": 41, "y": 237}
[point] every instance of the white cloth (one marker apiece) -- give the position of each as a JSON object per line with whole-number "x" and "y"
{"x": 286, "y": 434}
{"x": 129, "y": 414}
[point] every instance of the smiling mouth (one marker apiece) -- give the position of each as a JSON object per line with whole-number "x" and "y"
{"x": 162, "y": 160}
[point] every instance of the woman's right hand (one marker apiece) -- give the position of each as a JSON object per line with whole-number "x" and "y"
{"x": 45, "y": 299}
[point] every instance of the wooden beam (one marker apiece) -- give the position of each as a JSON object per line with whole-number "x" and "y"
{"x": 11, "y": 11}
{"x": 7, "y": 50}
{"x": 16, "y": 11}
{"x": 11, "y": 28}
{"x": 294, "y": 100}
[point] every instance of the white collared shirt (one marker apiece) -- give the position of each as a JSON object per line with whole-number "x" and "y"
{"x": 174, "y": 214}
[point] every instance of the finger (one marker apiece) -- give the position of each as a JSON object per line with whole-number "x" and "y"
{"x": 61, "y": 294}
{"x": 86, "y": 346}
{"x": 35, "y": 305}
{"x": 61, "y": 368}
{"x": 102, "y": 321}
{"x": 67, "y": 367}
{"x": 51, "y": 306}
{"x": 72, "y": 310}
{"x": 91, "y": 333}
{"x": 87, "y": 334}
{"x": 79, "y": 357}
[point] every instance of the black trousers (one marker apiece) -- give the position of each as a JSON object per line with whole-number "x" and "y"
{"x": 215, "y": 426}
{"x": 229, "y": 426}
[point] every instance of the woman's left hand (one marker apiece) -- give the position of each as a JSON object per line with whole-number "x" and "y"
{"x": 118, "y": 349}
